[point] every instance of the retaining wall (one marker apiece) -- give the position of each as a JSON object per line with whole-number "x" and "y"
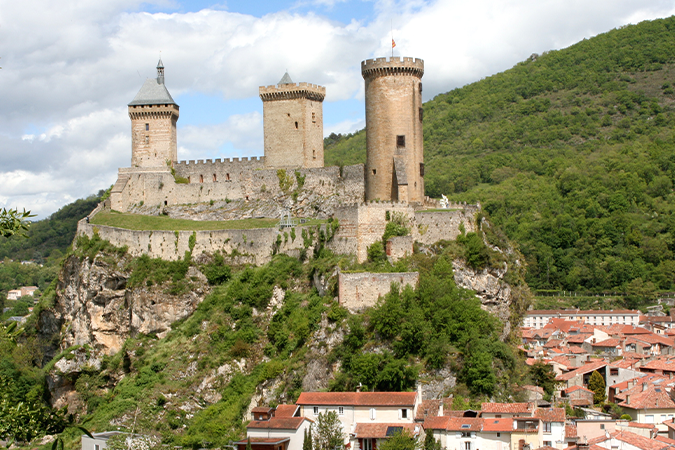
{"x": 357, "y": 291}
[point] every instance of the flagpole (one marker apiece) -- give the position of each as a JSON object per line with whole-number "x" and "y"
{"x": 392, "y": 38}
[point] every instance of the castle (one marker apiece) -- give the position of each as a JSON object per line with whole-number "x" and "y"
{"x": 291, "y": 175}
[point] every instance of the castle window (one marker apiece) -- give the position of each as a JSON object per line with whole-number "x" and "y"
{"x": 201, "y": 178}
{"x": 420, "y": 88}
{"x": 214, "y": 177}
{"x": 313, "y": 154}
{"x": 147, "y": 127}
{"x": 296, "y": 125}
{"x": 421, "y": 169}
{"x": 288, "y": 114}
{"x": 374, "y": 171}
{"x": 421, "y": 114}
{"x": 147, "y": 139}
{"x": 400, "y": 141}
{"x": 165, "y": 203}
{"x": 188, "y": 178}
{"x": 314, "y": 117}
{"x": 227, "y": 176}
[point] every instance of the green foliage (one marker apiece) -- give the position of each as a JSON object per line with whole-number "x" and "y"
{"x": 307, "y": 439}
{"x": 285, "y": 180}
{"x": 13, "y": 222}
{"x": 430, "y": 443}
{"x": 596, "y": 383}
{"x": 150, "y": 271}
{"x": 217, "y": 272}
{"x": 542, "y": 375}
{"x": 376, "y": 252}
{"x": 396, "y": 226}
{"x": 327, "y": 432}
{"x": 403, "y": 440}
{"x": 625, "y": 417}
{"x": 90, "y": 247}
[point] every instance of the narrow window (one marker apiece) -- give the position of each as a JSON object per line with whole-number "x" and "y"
{"x": 227, "y": 176}
{"x": 400, "y": 141}
{"x": 314, "y": 117}
{"x": 147, "y": 139}
{"x": 313, "y": 154}
{"x": 420, "y": 88}
{"x": 288, "y": 114}
{"x": 201, "y": 178}
{"x": 548, "y": 444}
{"x": 316, "y": 410}
{"x": 421, "y": 114}
{"x": 296, "y": 125}
{"x": 499, "y": 435}
{"x": 214, "y": 177}
{"x": 165, "y": 203}
{"x": 372, "y": 413}
{"x": 404, "y": 413}
{"x": 188, "y": 178}
{"x": 374, "y": 171}
{"x": 147, "y": 127}
{"x": 341, "y": 410}
{"x": 421, "y": 169}
{"x": 97, "y": 447}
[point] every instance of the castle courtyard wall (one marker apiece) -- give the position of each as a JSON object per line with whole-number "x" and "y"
{"x": 357, "y": 291}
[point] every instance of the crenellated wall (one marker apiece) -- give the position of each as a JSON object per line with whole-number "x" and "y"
{"x": 357, "y": 291}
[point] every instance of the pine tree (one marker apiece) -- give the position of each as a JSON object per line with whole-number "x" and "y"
{"x": 430, "y": 443}
{"x": 597, "y": 384}
{"x": 307, "y": 442}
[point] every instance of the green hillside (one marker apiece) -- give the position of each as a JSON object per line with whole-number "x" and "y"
{"x": 572, "y": 154}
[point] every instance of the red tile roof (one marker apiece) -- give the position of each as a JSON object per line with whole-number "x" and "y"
{"x": 570, "y": 431}
{"x": 666, "y": 440}
{"x": 278, "y": 423}
{"x": 586, "y": 368}
{"x": 553, "y": 343}
{"x": 262, "y": 409}
{"x": 569, "y": 390}
{"x": 550, "y": 414}
{"x": 638, "y": 441}
{"x": 668, "y": 365}
{"x": 358, "y": 398}
{"x": 263, "y": 441}
{"x": 653, "y": 397}
{"x": 650, "y": 426}
{"x": 464, "y": 424}
{"x": 383, "y": 430}
{"x": 508, "y": 408}
{"x": 286, "y": 410}
{"x": 436, "y": 423}
{"x": 624, "y": 363}
{"x": 428, "y": 408}
{"x": 498, "y": 425}
{"x": 608, "y": 343}
{"x": 577, "y": 338}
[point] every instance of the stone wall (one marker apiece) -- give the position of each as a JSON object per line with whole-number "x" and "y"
{"x": 399, "y": 247}
{"x": 357, "y": 291}
{"x": 253, "y": 246}
{"x": 235, "y": 179}
{"x": 153, "y": 135}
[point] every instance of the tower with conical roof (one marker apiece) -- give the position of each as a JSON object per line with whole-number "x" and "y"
{"x": 153, "y": 116}
{"x": 293, "y": 124}
{"x": 394, "y": 139}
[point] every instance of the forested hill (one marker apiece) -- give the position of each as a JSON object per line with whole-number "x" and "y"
{"x": 572, "y": 153}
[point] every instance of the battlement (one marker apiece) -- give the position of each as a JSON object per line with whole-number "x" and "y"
{"x": 292, "y": 91}
{"x": 203, "y": 162}
{"x": 392, "y": 66}
{"x": 147, "y": 111}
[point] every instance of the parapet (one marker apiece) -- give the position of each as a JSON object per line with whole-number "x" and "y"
{"x": 291, "y": 91}
{"x": 392, "y": 66}
{"x": 143, "y": 111}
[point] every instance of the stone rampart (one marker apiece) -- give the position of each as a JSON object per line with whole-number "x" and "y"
{"x": 254, "y": 246}
{"x": 357, "y": 291}
{"x": 217, "y": 168}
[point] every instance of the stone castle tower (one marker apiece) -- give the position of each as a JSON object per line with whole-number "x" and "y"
{"x": 394, "y": 141}
{"x": 293, "y": 124}
{"x": 153, "y": 116}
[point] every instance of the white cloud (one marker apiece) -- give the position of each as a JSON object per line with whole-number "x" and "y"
{"x": 70, "y": 67}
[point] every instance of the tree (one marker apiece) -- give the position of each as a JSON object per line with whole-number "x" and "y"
{"x": 543, "y": 376}
{"x": 307, "y": 441}
{"x": 13, "y": 222}
{"x": 328, "y": 434}
{"x": 248, "y": 444}
{"x": 401, "y": 440}
{"x": 430, "y": 443}
{"x": 597, "y": 384}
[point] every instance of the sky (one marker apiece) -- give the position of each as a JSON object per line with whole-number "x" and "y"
{"x": 70, "y": 67}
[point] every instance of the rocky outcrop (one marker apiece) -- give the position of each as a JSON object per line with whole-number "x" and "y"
{"x": 494, "y": 293}
{"x": 95, "y": 307}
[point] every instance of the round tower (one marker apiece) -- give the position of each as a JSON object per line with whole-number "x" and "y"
{"x": 153, "y": 115}
{"x": 293, "y": 124}
{"x": 394, "y": 138}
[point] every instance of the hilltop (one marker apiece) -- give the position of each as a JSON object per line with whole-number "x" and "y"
{"x": 572, "y": 154}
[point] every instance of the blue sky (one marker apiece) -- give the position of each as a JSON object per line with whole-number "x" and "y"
{"x": 70, "y": 67}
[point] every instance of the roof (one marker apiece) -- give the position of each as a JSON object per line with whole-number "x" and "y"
{"x": 498, "y": 425}
{"x": 358, "y": 398}
{"x": 464, "y": 424}
{"x": 608, "y": 343}
{"x": 262, "y": 409}
{"x": 263, "y": 441}
{"x": 650, "y": 426}
{"x": 428, "y": 408}
{"x": 590, "y": 367}
{"x": 624, "y": 363}
{"x": 436, "y": 423}
{"x": 569, "y": 390}
{"x": 657, "y": 364}
{"x": 382, "y": 430}
{"x": 652, "y": 398}
{"x": 508, "y": 408}
{"x": 665, "y": 439}
{"x": 597, "y": 312}
{"x": 153, "y": 93}
{"x": 529, "y": 387}
{"x": 278, "y": 423}
{"x": 570, "y": 431}
{"x": 286, "y": 79}
{"x": 636, "y": 440}
{"x": 286, "y": 410}
{"x": 550, "y": 414}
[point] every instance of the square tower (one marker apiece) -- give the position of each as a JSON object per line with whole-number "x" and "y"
{"x": 153, "y": 115}
{"x": 293, "y": 124}
{"x": 394, "y": 137}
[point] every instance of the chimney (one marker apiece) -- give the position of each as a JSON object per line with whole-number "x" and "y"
{"x": 358, "y": 388}
{"x": 628, "y": 399}
{"x": 582, "y": 446}
{"x": 644, "y": 387}
{"x": 440, "y": 408}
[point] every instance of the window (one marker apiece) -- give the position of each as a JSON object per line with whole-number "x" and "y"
{"x": 602, "y": 426}
{"x": 374, "y": 171}
{"x": 147, "y": 139}
{"x": 547, "y": 444}
{"x": 372, "y": 413}
{"x": 296, "y": 125}
{"x": 97, "y": 447}
{"x": 421, "y": 169}
{"x": 227, "y": 176}
{"x": 499, "y": 435}
{"x": 547, "y": 427}
{"x": 314, "y": 117}
{"x": 400, "y": 141}
{"x": 649, "y": 418}
{"x": 316, "y": 410}
{"x": 467, "y": 446}
{"x": 147, "y": 127}
{"x": 214, "y": 177}
{"x": 341, "y": 410}
{"x": 404, "y": 413}
{"x": 421, "y": 114}
{"x": 498, "y": 416}
{"x": 466, "y": 434}
{"x": 313, "y": 154}
{"x": 420, "y": 88}
{"x": 367, "y": 444}
{"x": 201, "y": 178}
{"x": 614, "y": 371}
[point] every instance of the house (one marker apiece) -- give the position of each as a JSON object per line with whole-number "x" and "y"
{"x": 456, "y": 433}
{"x": 652, "y": 405}
{"x": 540, "y": 318}
{"x": 593, "y": 428}
{"x": 577, "y": 396}
{"x": 505, "y": 410}
{"x": 580, "y": 376}
{"x": 553, "y": 426}
{"x": 100, "y": 440}
{"x": 394, "y": 409}
{"x": 371, "y": 435}
{"x": 276, "y": 433}
{"x": 14, "y": 294}
{"x": 626, "y": 440}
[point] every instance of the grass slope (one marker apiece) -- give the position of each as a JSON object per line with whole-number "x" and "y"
{"x": 572, "y": 153}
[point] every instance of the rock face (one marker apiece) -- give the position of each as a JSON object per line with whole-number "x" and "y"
{"x": 493, "y": 292}
{"x": 96, "y": 308}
